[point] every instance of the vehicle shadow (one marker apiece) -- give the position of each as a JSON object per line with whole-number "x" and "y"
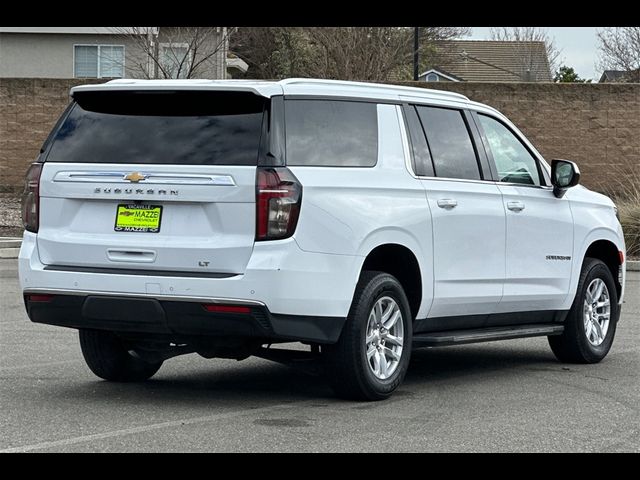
{"x": 261, "y": 382}
{"x": 449, "y": 363}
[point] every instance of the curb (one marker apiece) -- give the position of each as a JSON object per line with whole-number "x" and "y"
{"x": 9, "y": 247}
{"x": 633, "y": 266}
{"x": 10, "y": 242}
{"x": 6, "y": 253}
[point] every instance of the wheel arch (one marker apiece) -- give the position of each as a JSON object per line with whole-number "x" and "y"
{"x": 400, "y": 261}
{"x": 608, "y": 252}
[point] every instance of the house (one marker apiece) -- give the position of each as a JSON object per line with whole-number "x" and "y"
{"x": 617, "y": 76}
{"x": 115, "y": 52}
{"x": 488, "y": 61}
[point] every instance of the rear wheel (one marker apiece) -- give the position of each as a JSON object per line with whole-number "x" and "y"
{"x": 591, "y": 324}
{"x": 372, "y": 355}
{"x": 107, "y": 357}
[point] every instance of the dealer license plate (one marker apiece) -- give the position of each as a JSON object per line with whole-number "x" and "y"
{"x": 138, "y": 218}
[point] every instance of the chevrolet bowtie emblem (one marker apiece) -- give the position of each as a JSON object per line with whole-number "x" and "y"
{"x": 135, "y": 177}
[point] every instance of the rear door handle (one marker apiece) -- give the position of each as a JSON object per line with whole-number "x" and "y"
{"x": 515, "y": 206}
{"x": 447, "y": 203}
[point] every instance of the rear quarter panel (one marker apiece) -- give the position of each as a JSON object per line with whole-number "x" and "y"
{"x": 351, "y": 211}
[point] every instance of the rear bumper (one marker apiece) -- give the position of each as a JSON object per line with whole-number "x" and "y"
{"x": 176, "y": 318}
{"x": 289, "y": 286}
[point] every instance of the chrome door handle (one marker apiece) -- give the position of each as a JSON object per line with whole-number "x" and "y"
{"x": 447, "y": 203}
{"x": 515, "y": 206}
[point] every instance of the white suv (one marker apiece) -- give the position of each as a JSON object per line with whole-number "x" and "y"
{"x": 363, "y": 220}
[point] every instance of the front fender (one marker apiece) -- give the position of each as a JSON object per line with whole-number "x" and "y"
{"x": 606, "y": 233}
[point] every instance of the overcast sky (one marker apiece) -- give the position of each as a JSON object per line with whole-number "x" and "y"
{"x": 577, "y": 45}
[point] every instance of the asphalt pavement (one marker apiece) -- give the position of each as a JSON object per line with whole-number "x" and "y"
{"x": 502, "y": 396}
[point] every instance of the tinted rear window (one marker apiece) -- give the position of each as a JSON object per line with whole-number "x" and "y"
{"x": 451, "y": 148}
{"x": 196, "y": 128}
{"x": 330, "y": 133}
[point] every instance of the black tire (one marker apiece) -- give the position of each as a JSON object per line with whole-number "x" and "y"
{"x": 346, "y": 361}
{"x": 573, "y": 346}
{"x": 108, "y": 359}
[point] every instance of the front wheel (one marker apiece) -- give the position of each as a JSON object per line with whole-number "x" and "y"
{"x": 107, "y": 357}
{"x": 591, "y": 323}
{"x": 372, "y": 355}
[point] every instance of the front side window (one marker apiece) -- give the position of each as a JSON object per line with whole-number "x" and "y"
{"x": 450, "y": 144}
{"x": 98, "y": 61}
{"x": 328, "y": 133}
{"x": 513, "y": 161}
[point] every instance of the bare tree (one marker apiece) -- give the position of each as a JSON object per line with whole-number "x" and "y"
{"x": 357, "y": 53}
{"x": 619, "y": 49}
{"x": 177, "y": 52}
{"x": 527, "y": 52}
{"x": 347, "y": 53}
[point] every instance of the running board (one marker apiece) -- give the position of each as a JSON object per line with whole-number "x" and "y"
{"x": 460, "y": 337}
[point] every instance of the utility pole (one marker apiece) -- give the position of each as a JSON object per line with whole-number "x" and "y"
{"x": 416, "y": 55}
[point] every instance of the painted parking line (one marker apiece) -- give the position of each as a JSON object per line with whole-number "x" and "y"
{"x": 148, "y": 428}
{"x": 38, "y": 365}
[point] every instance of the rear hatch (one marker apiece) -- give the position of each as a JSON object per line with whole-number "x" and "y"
{"x": 152, "y": 180}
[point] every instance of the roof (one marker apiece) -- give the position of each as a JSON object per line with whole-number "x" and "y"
{"x": 493, "y": 61}
{"x": 291, "y": 86}
{"x": 619, "y": 76}
{"x": 443, "y": 73}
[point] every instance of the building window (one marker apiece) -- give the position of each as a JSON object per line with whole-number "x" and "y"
{"x": 98, "y": 61}
{"x": 175, "y": 59}
{"x": 433, "y": 77}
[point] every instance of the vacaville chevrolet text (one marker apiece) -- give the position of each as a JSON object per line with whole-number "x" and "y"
{"x": 230, "y": 218}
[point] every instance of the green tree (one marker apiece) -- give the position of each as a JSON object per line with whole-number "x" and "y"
{"x": 568, "y": 75}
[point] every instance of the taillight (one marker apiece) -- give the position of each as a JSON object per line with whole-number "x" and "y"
{"x": 225, "y": 308}
{"x": 31, "y": 198}
{"x": 278, "y": 199}
{"x": 42, "y": 298}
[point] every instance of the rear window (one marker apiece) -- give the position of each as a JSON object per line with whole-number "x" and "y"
{"x": 450, "y": 144}
{"x": 328, "y": 133}
{"x": 196, "y": 128}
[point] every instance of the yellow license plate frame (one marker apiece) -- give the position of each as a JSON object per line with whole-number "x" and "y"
{"x": 137, "y": 218}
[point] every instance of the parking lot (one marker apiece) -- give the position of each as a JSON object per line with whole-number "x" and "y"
{"x": 503, "y": 396}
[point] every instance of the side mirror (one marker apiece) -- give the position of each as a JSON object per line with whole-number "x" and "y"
{"x": 564, "y": 175}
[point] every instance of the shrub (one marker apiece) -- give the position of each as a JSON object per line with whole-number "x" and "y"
{"x": 626, "y": 195}
{"x": 629, "y": 212}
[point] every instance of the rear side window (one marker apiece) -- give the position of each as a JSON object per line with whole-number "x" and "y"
{"x": 196, "y": 128}
{"x": 328, "y": 133}
{"x": 421, "y": 155}
{"x": 451, "y": 148}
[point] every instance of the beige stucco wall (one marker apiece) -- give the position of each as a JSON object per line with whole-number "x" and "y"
{"x": 51, "y": 55}
{"x": 34, "y": 55}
